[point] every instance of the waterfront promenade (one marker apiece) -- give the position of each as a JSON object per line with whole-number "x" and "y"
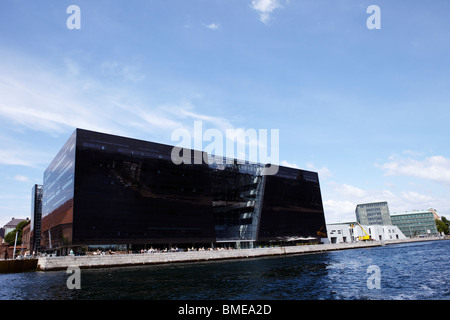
{"x": 103, "y": 261}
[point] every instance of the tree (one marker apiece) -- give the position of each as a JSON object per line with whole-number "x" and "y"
{"x": 445, "y": 221}
{"x": 442, "y": 225}
{"x": 11, "y": 236}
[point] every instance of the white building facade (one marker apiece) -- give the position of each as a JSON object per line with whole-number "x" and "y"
{"x": 351, "y": 231}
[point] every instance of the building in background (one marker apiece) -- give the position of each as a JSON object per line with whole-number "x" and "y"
{"x": 416, "y": 223}
{"x": 7, "y": 249}
{"x": 376, "y": 213}
{"x": 11, "y": 225}
{"x": 36, "y": 215}
{"x": 25, "y": 246}
{"x": 352, "y": 231}
{"x": 116, "y": 192}
{"x": 435, "y": 214}
{"x": 373, "y": 222}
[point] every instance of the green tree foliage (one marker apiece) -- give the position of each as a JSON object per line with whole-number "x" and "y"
{"x": 11, "y": 236}
{"x": 442, "y": 225}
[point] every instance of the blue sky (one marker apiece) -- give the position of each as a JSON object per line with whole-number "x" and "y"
{"x": 367, "y": 109}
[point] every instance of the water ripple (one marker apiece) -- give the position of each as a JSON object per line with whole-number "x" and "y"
{"x": 407, "y": 271}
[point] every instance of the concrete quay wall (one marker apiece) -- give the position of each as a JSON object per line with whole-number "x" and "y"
{"x": 103, "y": 261}
{"x": 10, "y": 266}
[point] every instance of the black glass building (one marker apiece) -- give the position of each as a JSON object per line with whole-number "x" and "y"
{"x": 103, "y": 189}
{"x": 36, "y": 216}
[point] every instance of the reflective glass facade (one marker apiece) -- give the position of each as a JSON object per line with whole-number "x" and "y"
{"x": 237, "y": 190}
{"x": 57, "y": 201}
{"x": 36, "y": 217}
{"x": 292, "y": 207}
{"x": 130, "y": 192}
{"x": 109, "y": 190}
{"x": 414, "y": 224}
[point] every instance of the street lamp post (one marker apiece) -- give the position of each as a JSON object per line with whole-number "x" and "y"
{"x": 15, "y": 242}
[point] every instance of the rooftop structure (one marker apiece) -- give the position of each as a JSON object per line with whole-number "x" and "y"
{"x": 11, "y": 225}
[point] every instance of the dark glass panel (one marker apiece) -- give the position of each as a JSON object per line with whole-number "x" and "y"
{"x": 292, "y": 206}
{"x": 36, "y": 217}
{"x": 235, "y": 189}
{"x": 129, "y": 191}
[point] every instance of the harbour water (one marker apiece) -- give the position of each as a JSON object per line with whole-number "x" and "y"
{"x": 412, "y": 271}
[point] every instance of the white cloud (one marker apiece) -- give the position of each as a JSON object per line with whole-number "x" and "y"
{"x": 144, "y": 116}
{"x": 11, "y": 157}
{"x": 290, "y": 165}
{"x": 358, "y": 195}
{"x": 212, "y": 26}
{"x": 324, "y": 172}
{"x": 413, "y": 153}
{"x": 15, "y": 155}
{"x": 436, "y": 168}
{"x": 52, "y": 103}
{"x": 265, "y": 8}
{"x": 339, "y": 210}
{"x": 352, "y": 192}
{"x": 186, "y": 111}
{"x": 21, "y": 178}
{"x": 60, "y": 101}
{"x": 415, "y": 197}
{"x": 126, "y": 72}
{"x": 340, "y": 200}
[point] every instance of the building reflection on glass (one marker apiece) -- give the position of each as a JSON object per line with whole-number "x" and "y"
{"x": 103, "y": 189}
